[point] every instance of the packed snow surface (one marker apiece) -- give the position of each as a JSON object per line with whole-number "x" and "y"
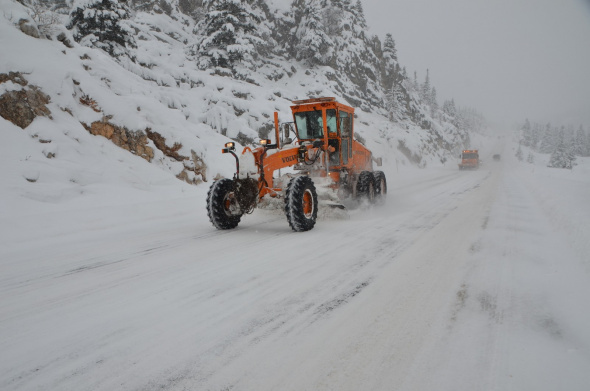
{"x": 463, "y": 280}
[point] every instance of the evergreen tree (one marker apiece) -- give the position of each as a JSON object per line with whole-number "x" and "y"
{"x": 536, "y": 136}
{"x": 360, "y": 15}
{"x": 433, "y": 101}
{"x": 580, "y": 147}
{"x": 449, "y": 108}
{"x": 562, "y": 156}
{"x": 548, "y": 142}
{"x": 425, "y": 89}
{"x": 229, "y": 35}
{"x": 390, "y": 64}
{"x": 312, "y": 43}
{"x": 395, "y": 101}
{"x": 331, "y": 17}
{"x": 415, "y": 84}
{"x": 357, "y": 58}
{"x": 526, "y": 133}
{"x": 101, "y": 23}
{"x": 519, "y": 153}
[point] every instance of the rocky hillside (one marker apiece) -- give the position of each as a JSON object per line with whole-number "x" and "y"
{"x": 155, "y": 96}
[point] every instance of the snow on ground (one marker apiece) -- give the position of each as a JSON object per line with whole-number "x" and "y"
{"x": 463, "y": 280}
{"x": 112, "y": 277}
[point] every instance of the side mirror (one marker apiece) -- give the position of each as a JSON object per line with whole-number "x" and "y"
{"x": 286, "y": 131}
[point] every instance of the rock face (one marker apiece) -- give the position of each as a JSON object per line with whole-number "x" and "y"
{"x": 27, "y": 27}
{"x": 134, "y": 142}
{"x": 22, "y": 104}
{"x": 194, "y": 168}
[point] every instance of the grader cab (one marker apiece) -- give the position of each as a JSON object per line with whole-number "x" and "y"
{"x": 325, "y": 159}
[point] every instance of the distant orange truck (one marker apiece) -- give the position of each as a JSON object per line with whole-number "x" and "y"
{"x": 469, "y": 159}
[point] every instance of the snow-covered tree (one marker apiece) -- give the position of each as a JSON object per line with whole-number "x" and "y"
{"x": 449, "y": 108}
{"x": 360, "y": 15}
{"x": 433, "y": 101}
{"x": 563, "y": 155}
{"x": 229, "y": 35}
{"x": 548, "y": 140}
{"x": 536, "y": 133}
{"x": 519, "y": 153}
{"x": 526, "y": 132}
{"x": 390, "y": 63}
{"x": 101, "y": 23}
{"x": 425, "y": 88}
{"x": 580, "y": 147}
{"x": 312, "y": 42}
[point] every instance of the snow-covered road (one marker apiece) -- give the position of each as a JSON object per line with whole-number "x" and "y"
{"x": 474, "y": 280}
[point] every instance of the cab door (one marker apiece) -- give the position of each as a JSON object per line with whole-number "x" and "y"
{"x": 345, "y": 125}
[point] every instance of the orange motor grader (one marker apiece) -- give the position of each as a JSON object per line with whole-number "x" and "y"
{"x": 324, "y": 155}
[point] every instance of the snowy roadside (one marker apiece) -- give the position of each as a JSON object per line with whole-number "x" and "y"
{"x": 519, "y": 319}
{"x": 463, "y": 276}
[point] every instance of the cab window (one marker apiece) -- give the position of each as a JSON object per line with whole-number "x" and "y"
{"x": 345, "y": 124}
{"x": 310, "y": 125}
{"x": 331, "y": 121}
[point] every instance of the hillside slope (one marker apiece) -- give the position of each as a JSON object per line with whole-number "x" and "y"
{"x": 163, "y": 109}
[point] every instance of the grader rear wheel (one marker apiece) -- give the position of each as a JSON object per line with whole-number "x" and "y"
{"x": 365, "y": 187}
{"x": 380, "y": 186}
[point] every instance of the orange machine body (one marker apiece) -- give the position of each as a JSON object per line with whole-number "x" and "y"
{"x": 469, "y": 159}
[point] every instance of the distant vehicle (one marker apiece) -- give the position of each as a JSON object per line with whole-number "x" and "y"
{"x": 469, "y": 159}
{"x": 496, "y": 157}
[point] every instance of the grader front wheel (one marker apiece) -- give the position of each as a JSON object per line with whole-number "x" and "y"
{"x": 301, "y": 204}
{"x": 221, "y": 203}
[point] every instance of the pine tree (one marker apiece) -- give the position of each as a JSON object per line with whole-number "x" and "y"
{"x": 562, "y": 156}
{"x": 312, "y": 43}
{"x": 390, "y": 64}
{"x": 356, "y": 58}
{"x": 548, "y": 142}
{"x": 536, "y": 136}
{"x": 580, "y": 142}
{"x": 519, "y": 153}
{"x": 433, "y": 101}
{"x": 425, "y": 89}
{"x": 229, "y": 35}
{"x": 526, "y": 133}
{"x": 332, "y": 16}
{"x": 449, "y": 108}
{"x": 100, "y": 23}
{"x": 360, "y": 15}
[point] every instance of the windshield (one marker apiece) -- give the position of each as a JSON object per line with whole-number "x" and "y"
{"x": 470, "y": 156}
{"x": 309, "y": 125}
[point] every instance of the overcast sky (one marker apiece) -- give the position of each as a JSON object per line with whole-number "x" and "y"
{"x": 509, "y": 59}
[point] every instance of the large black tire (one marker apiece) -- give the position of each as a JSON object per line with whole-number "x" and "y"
{"x": 365, "y": 187}
{"x": 301, "y": 204}
{"x": 219, "y": 200}
{"x": 380, "y": 186}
